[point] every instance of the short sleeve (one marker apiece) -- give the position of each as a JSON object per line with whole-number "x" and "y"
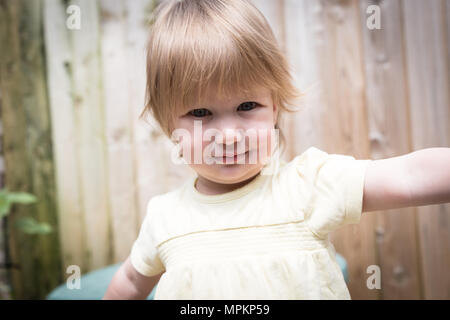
{"x": 144, "y": 253}
{"x": 337, "y": 188}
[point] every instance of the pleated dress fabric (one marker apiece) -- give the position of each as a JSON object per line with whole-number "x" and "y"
{"x": 266, "y": 240}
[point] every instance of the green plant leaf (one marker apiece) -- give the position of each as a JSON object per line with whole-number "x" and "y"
{"x": 21, "y": 197}
{"x": 5, "y": 205}
{"x": 31, "y": 226}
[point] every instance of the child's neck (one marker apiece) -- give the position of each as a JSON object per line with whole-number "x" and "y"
{"x": 209, "y": 187}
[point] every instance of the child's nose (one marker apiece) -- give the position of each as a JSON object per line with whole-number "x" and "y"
{"x": 229, "y": 136}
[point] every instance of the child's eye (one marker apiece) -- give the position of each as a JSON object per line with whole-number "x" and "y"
{"x": 247, "y": 106}
{"x": 199, "y": 113}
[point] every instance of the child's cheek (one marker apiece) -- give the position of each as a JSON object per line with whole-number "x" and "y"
{"x": 263, "y": 146}
{"x": 187, "y": 148}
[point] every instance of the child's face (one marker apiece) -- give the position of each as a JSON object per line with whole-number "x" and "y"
{"x": 220, "y": 128}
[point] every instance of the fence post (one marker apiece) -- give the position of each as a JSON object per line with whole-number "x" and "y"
{"x": 28, "y": 147}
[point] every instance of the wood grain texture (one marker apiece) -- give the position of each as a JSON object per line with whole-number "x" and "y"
{"x": 428, "y": 67}
{"x": 28, "y": 152}
{"x": 59, "y": 65}
{"x": 389, "y": 132}
{"x": 119, "y": 127}
{"x": 304, "y": 38}
{"x": 74, "y": 75}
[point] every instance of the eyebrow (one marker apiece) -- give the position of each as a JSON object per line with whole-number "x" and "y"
{"x": 252, "y": 98}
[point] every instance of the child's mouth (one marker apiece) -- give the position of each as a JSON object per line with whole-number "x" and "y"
{"x": 234, "y": 158}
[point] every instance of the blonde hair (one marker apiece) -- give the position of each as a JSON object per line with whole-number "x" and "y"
{"x": 197, "y": 45}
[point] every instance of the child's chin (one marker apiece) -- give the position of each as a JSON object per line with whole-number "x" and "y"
{"x": 234, "y": 173}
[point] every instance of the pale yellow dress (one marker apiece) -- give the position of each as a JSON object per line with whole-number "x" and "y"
{"x": 265, "y": 240}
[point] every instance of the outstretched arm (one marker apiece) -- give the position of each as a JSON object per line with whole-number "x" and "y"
{"x": 415, "y": 179}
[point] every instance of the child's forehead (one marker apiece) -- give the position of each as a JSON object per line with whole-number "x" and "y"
{"x": 212, "y": 97}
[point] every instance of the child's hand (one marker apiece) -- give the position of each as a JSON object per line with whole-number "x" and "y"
{"x": 415, "y": 179}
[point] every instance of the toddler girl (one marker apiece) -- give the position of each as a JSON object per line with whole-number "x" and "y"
{"x": 248, "y": 225}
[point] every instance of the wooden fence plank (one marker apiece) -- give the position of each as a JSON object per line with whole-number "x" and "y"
{"x": 387, "y": 104}
{"x": 304, "y": 34}
{"x": 5, "y": 283}
{"x": 119, "y": 128}
{"x": 75, "y": 67}
{"x": 136, "y": 32}
{"x": 65, "y": 142}
{"x": 90, "y": 124}
{"x": 428, "y": 66}
{"x": 28, "y": 153}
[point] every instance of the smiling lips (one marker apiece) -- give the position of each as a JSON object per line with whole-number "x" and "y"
{"x": 232, "y": 156}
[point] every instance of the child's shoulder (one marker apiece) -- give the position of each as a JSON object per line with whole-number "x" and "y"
{"x": 168, "y": 199}
{"x": 316, "y": 163}
{"x": 166, "y": 213}
{"x": 314, "y": 155}
{"x": 311, "y": 153}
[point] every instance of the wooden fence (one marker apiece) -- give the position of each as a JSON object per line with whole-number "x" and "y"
{"x": 71, "y": 100}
